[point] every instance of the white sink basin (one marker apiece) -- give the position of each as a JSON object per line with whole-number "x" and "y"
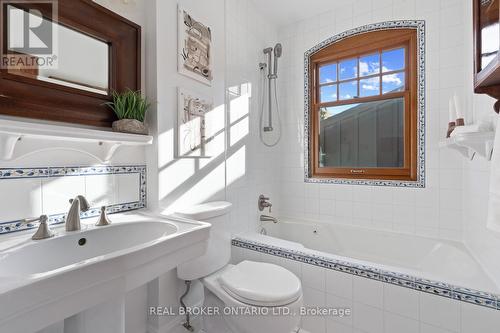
{"x": 73, "y": 249}
{"x": 44, "y": 282}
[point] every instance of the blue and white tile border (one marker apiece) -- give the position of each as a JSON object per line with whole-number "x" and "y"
{"x": 54, "y": 172}
{"x": 419, "y": 25}
{"x": 427, "y": 286}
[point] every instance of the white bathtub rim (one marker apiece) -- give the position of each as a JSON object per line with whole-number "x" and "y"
{"x": 408, "y": 271}
{"x": 369, "y": 265}
{"x": 386, "y": 274}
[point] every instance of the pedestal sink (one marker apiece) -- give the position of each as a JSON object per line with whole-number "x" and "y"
{"x": 43, "y": 282}
{"x": 71, "y": 250}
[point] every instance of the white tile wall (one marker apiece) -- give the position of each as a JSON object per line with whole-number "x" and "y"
{"x": 20, "y": 197}
{"x": 127, "y": 187}
{"x": 433, "y": 211}
{"x": 31, "y": 197}
{"x": 377, "y": 307}
{"x": 482, "y": 242}
{"x": 57, "y": 192}
{"x": 247, "y": 34}
{"x": 101, "y": 189}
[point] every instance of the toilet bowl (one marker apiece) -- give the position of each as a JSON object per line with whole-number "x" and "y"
{"x": 250, "y": 296}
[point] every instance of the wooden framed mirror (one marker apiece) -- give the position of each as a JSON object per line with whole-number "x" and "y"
{"x": 62, "y": 59}
{"x": 486, "y": 31}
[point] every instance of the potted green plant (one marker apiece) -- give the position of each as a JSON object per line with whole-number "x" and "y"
{"x": 130, "y": 108}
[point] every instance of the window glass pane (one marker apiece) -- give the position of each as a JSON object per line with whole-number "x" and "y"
{"x": 328, "y": 93}
{"x": 369, "y": 65}
{"x": 348, "y": 90}
{"x": 362, "y": 135}
{"x": 393, "y": 82}
{"x": 348, "y": 69}
{"x": 328, "y": 73}
{"x": 393, "y": 60}
{"x": 369, "y": 87}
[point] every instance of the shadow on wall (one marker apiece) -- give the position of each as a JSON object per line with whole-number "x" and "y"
{"x": 191, "y": 180}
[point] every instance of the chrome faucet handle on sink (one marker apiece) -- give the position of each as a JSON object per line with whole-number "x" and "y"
{"x": 43, "y": 231}
{"x": 103, "y": 218}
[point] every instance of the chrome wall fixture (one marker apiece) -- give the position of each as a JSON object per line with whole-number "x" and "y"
{"x": 270, "y": 91}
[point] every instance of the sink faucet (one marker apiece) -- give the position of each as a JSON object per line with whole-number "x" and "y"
{"x": 78, "y": 204}
{"x": 267, "y": 218}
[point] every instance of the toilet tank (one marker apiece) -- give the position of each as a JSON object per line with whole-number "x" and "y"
{"x": 219, "y": 243}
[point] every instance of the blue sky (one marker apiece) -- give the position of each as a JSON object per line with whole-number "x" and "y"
{"x": 392, "y": 60}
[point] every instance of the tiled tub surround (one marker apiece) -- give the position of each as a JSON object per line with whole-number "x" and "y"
{"x": 381, "y": 300}
{"x": 30, "y": 192}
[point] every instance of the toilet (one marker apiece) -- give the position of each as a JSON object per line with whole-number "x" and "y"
{"x": 253, "y": 296}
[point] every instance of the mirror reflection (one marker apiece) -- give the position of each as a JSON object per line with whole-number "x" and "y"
{"x": 490, "y": 36}
{"x": 80, "y": 61}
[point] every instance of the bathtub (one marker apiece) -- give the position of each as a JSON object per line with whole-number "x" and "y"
{"x": 430, "y": 265}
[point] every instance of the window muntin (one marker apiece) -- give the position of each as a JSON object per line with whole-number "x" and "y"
{"x": 362, "y": 76}
{"x": 370, "y": 73}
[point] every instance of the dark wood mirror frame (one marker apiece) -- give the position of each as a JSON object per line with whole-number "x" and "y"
{"x": 27, "y": 97}
{"x": 486, "y": 80}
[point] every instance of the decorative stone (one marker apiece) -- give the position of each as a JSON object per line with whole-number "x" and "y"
{"x": 130, "y": 126}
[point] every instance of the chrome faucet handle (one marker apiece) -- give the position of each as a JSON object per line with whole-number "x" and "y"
{"x": 41, "y": 219}
{"x": 43, "y": 231}
{"x": 103, "y": 219}
{"x": 264, "y": 203}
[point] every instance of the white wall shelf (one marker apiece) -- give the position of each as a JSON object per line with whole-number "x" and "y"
{"x": 470, "y": 144}
{"x": 12, "y": 133}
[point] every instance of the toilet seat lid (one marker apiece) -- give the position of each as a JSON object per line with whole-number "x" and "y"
{"x": 261, "y": 284}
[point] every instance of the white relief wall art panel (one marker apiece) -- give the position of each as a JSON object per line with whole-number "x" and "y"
{"x": 30, "y": 192}
{"x": 193, "y": 124}
{"x": 194, "y": 48}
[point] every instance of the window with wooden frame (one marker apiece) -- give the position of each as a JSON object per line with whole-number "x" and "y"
{"x": 363, "y": 107}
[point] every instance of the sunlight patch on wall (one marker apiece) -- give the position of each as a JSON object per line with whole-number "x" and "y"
{"x": 205, "y": 189}
{"x": 165, "y": 139}
{"x": 175, "y": 175}
{"x": 236, "y": 166}
{"x": 239, "y": 105}
{"x": 239, "y": 131}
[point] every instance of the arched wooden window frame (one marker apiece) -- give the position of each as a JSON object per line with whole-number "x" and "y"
{"x": 362, "y": 41}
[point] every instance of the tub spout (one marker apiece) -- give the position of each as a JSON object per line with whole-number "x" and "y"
{"x": 267, "y": 218}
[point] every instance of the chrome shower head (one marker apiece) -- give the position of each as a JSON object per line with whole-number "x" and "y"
{"x": 268, "y": 50}
{"x": 278, "y": 50}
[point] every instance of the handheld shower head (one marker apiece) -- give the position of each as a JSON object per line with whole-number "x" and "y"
{"x": 268, "y": 50}
{"x": 278, "y": 50}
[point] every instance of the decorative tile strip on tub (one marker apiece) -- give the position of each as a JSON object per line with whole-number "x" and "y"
{"x": 136, "y": 199}
{"x": 427, "y": 286}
